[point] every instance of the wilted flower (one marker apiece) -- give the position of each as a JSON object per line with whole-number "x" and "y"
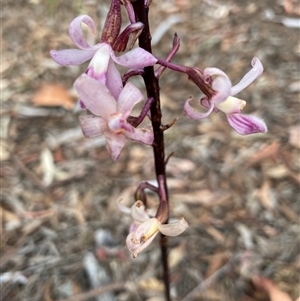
{"x": 145, "y": 228}
{"x": 111, "y": 114}
{"x": 224, "y": 101}
{"x": 102, "y": 56}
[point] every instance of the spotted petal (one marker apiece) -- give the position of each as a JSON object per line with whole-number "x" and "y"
{"x": 136, "y": 58}
{"x": 76, "y": 33}
{"x": 71, "y": 57}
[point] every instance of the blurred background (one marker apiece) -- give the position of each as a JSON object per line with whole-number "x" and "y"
{"x": 62, "y": 234}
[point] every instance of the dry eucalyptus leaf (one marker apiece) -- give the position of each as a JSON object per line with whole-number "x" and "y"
{"x": 277, "y": 172}
{"x": 53, "y": 96}
{"x": 294, "y": 135}
{"x": 274, "y": 292}
{"x": 266, "y": 151}
{"x": 4, "y": 150}
{"x": 10, "y": 219}
{"x": 291, "y": 8}
{"x": 48, "y": 166}
{"x": 152, "y": 284}
{"x": 266, "y": 197}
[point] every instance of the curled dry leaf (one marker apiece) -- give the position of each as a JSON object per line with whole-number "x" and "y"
{"x": 267, "y": 151}
{"x": 53, "y": 96}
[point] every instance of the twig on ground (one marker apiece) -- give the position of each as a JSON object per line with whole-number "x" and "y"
{"x": 97, "y": 291}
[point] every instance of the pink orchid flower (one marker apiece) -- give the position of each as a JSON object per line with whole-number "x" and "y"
{"x": 111, "y": 114}
{"x": 145, "y": 228}
{"x": 224, "y": 101}
{"x": 102, "y": 56}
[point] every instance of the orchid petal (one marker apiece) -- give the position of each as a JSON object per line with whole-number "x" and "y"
{"x": 146, "y": 229}
{"x": 130, "y": 243}
{"x": 136, "y": 58}
{"x": 71, "y": 57}
{"x": 92, "y": 126}
{"x": 142, "y": 135}
{"x": 246, "y": 124}
{"x": 174, "y": 229}
{"x": 76, "y": 33}
{"x": 81, "y": 104}
{"x": 122, "y": 207}
{"x": 133, "y": 226}
{"x": 221, "y": 84}
{"x": 135, "y": 248}
{"x": 99, "y": 63}
{"x": 118, "y": 124}
{"x": 231, "y": 105}
{"x": 135, "y": 29}
{"x": 189, "y": 111}
{"x": 128, "y": 98}
{"x": 138, "y": 212}
{"x": 205, "y": 102}
{"x": 100, "y": 77}
{"x": 95, "y": 96}
{"x": 255, "y": 72}
{"x": 113, "y": 80}
{"x": 142, "y": 235}
{"x": 114, "y": 144}
{"x": 212, "y": 71}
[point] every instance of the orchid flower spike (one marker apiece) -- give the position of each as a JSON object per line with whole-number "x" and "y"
{"x": 111, "y": 114}
{"x": 145, "y": 228}
{"x": 224, "y": 101}
{"x": 102, "y": 56}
